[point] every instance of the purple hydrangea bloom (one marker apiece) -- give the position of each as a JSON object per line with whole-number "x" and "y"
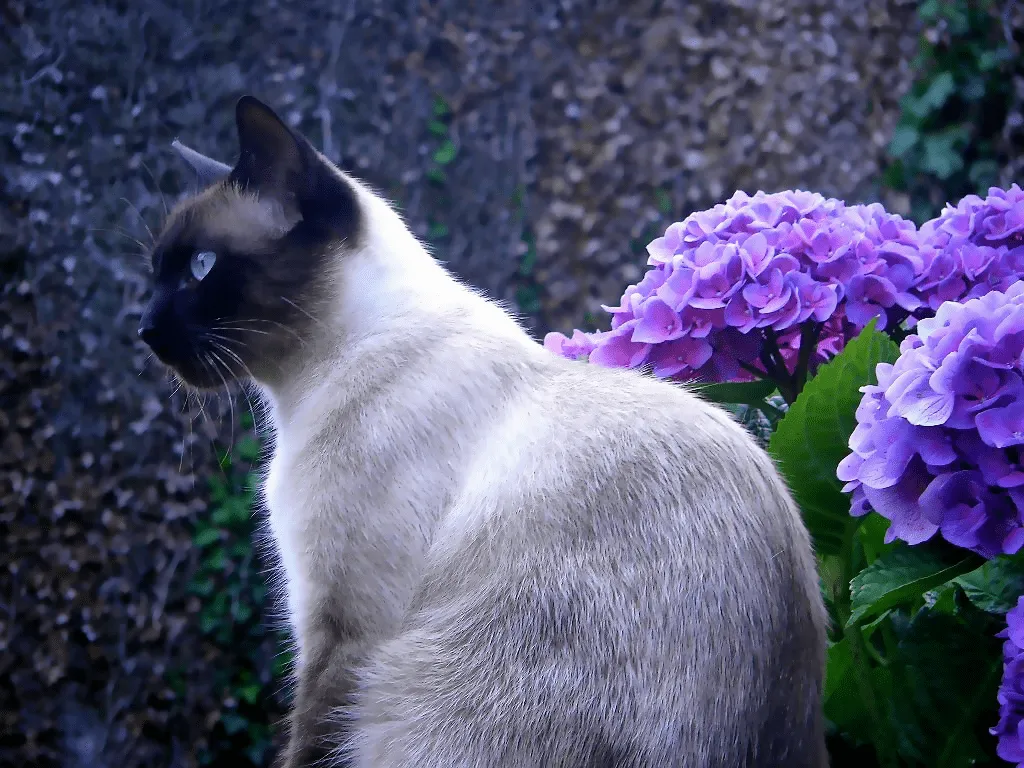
{"x": 973, "y": 247}
{"x": 1010, "y": 729}
{"x": 723, "y": 281}
{"x": 939, "y": 442}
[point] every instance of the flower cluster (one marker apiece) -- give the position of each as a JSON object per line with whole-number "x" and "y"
{"x": 730, "y": 289}
{"x": 973, "y": 247}
{"x": 734, "y": 291}
{"x": 1010, "y": 730}
{"x": 939, "y": 441}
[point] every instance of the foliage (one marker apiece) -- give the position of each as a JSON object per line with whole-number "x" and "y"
{"x": 917, "y": 577}
{"x": 946, "y": 142}
{"x": 229, "y": 581}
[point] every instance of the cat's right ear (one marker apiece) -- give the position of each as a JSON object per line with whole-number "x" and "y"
{"x": 208, "y": 170}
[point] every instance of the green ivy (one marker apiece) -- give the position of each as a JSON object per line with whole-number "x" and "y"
{"x": 946, "y": 144}
{"x": 230, "y": 583}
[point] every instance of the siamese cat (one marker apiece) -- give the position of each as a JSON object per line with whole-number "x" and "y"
{"x": 493, "y": 557}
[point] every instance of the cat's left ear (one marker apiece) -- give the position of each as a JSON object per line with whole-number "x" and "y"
{"x": 208, "y": 171}
{"x": 274, "y": 160}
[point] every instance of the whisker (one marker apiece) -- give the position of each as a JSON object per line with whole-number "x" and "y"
{"x": 303, "y": 311}
{"x": 125, "y": 235}
{"x": 231, "y": 400}
{"x": 163, "y": 200}
{"x": 141, "y": 218}
{"x": 237, "y": 327}
{"x": 220, "y": 343}
{"x": 221, "y": 347}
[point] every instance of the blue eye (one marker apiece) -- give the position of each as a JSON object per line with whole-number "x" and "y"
{"x": 201, "y": 264}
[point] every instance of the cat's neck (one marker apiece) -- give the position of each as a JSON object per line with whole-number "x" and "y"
{"x": 388, "y": 299}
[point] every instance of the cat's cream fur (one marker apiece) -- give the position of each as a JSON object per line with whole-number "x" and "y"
{"x": 497, "y": 557}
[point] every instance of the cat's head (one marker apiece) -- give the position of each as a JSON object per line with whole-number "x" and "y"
{"x": 236, "y": 266}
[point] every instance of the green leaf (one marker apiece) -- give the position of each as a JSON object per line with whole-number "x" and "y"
{"x": 444, "y": 154}
{"x": 528, "y": 298}
{"x": 942, "y": 86}
{"x": 438, "y": 231}
{"x": 984, "y": 173}
{"x": 250, "y": 693}
{"x": 663, "y": 201}
{"x": 742, "y": 393}
{"x": 871, "y": 535}
{"x": 901, "y": 576}
{"x": 843, "y": 699}
{"x": 205, "y": 537}
{"x": 903, "y": 140}
{"x": 242, "y": 612}
{"x": 436, "y": 175}
{"x": 441, "y": 107}
{"x": 437, "y": 128}
{"x": 201, "y": 586}
{"x": 248, "y": 448}
{"x": 811, "y": 439}
{"x": 528, "y": 261}
{"x": 943, "y": 698}
{"x": 208, "y": 622}
{"x": 218, "y": 489}
{"x": 941, "y": 156}
{"x": 993, "y": 59}
{"x": 233, "y": 512}
{"x": 996, "y": 585}
{"x": 233, "y": 722}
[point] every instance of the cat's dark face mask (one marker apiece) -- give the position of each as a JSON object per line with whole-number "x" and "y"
{"x": 235, "y": 265}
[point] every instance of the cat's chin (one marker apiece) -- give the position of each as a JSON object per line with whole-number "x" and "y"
{"x": 199, "y": 377}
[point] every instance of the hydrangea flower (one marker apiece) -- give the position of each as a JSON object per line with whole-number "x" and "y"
{"x": 939, "y": 442}
{"x": 1010, "y": 729}
{"x": 730, "y": 289}
{"x": 973, "y": 247}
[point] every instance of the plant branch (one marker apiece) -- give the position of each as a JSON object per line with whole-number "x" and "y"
{"x": 774, "y": 363}
{"x": 809, "y": 334}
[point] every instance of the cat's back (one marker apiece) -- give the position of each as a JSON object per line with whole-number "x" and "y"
{"x": 622, "y": 581}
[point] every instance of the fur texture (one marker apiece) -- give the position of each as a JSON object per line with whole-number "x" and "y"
{"x": 492, "y": 556}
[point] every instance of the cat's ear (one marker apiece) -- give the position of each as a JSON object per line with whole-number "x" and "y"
{"x": 207, "y": 169}
{"x": 273, "y": 159}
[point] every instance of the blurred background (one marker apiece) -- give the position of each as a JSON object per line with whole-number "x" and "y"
{"x": 537, "y": 146}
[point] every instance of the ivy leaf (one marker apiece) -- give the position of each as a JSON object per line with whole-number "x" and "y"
{"x": 941, "y": 156}
{"x": 233, "y": 722}
{"x": 250, "y": 693}
{"x": 743, "y": 393}
{"x": 996, "y": 585}
{"x": 441, "y": 107}
{"x": 205, "y": 537}
{"x": 903, "y": 140}
{"x": 444, "y": 154}
{"x": 901, "y": 576}
{"x": 942, "y": 86}
{"x": 248, "y": 448}
{"x": 811, "y": 439}
{"x": 438, "y": 231}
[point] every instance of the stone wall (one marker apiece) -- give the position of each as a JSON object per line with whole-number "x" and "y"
{"x": 582, "y": 127}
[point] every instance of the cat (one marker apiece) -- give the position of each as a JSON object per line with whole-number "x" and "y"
{"x": 492, "y": 556}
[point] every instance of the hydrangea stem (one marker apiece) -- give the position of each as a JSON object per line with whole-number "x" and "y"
{"x": 775, "y": 365}
{"x": 809, "y": 334}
